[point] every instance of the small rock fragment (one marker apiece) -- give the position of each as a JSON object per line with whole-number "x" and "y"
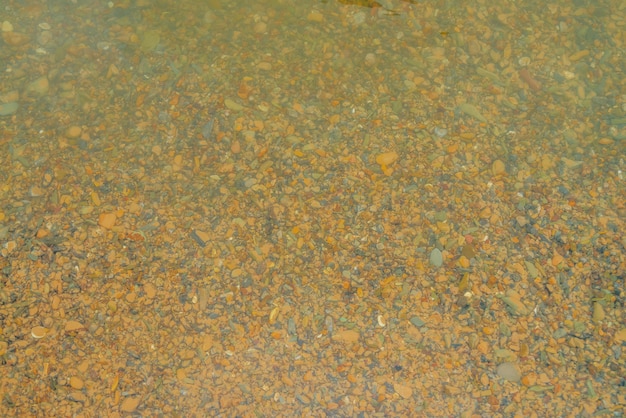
{"x": 417, "y": 322}
{"x": 498, "y": 168}
{"x": 7, "y": 109}
{"x": 531, "y": 81}
{"x": 386, "y": 158}
{"x": 77, "y": 397}
{"x": 39, "y": 332}
{"x": 513, "y": 301}
{"x": 598, "y": 313}
{"x": 6, "y": 26}
{"x": 436, "y": 257}
{"x": 15, "y": 38}
{"x": 260, "y": 27}
{"x": 509, "y": 371}
{"x": 73, "y": 326}
{"x": 200, "y": 237}
{"x": 472, "y": 111}
{"x": 39, "y": 87}
{"x": 107, "y": 220}
{"x": 73, "y": 132}
{"x": 403, "y": 390}
{"x": 150, "y": 290}
{"x": 232, "y": 105}
{"x": 346, "y": 336}
{"x": 129, "y": 404}
{"x": 315, "y": 16}
{"x": 76, "y": 382}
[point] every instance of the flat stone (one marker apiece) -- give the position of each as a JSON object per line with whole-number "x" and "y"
{"x": 509, "y": 371}
{"x": 7, "y": 109}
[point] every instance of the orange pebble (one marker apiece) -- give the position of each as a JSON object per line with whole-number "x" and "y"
{"x": 557, "y": 259}
{"x": 386, "y": 158}
{"x": 107, "y": 220}
{"x": 488, "y": 330}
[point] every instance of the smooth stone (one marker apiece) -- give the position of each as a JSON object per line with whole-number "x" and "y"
{"x": 73, "y": 132}
{"x": 15, "y": 38}
{"x": 417, "y": 322}
{"x": 509, "y": 371}
{"x": 38, "y": 87}
{"x": 232, "y": 105}
{"x": 7, "y": 109}
{"x": 386, "y": 158}
{"x": 7, "y": 26}
{"x": 436, "y": 258}
{"x": 498, "y": 168}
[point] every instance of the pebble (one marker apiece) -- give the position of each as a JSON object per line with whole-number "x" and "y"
{"x": 39, "y": 332}
{"x": 150, "y": 40}
{"x": 557, "y": 259}
{"x": 7, "y": 109}
{"x": 15, "y": 38}
{"x": 436, "y": 257}
{"x": 260, "y": 27}
{"x": 76, "y": 382}
{"x": 346, "y": 336}
{"x": 404, "y": 391}
{"x": 39, "y": 87}
{"x": 598, "y": 313}
{"x": 468, "y": 251}
{"x": 44, "y": 37}
{"x": 150, "y": 290}
{"x": 472, "y": 111}
{"x": 201, "y": 237}
{"x": 7, "y": 26}
{"x": 441, "y": 132}
{"x": 77, "y": 397}
{"x": 571, "y": 163}
{"x": 130, "y": 404}
{"x": 36, "y": 191}
{"x": 509, "y": 371}
{"x": 8, "y": 247}
{"x": 528, "y": 78}
{"x": 107, "y": 220}
{"x": 417, "y": 322}
{"x": 315, "y": 16}
{"x": 386, "y": 158}
{"x": 579, "y": 55}
{"x": 207, "y": 129}
{"x": 10, "y": 96}
{"x": 73, "y": 132}
{"x": 73, "y": 326}
{"x": 232, "y": 105}
{"x": 498, "y": 168}
{"x": 514, "y": 302}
